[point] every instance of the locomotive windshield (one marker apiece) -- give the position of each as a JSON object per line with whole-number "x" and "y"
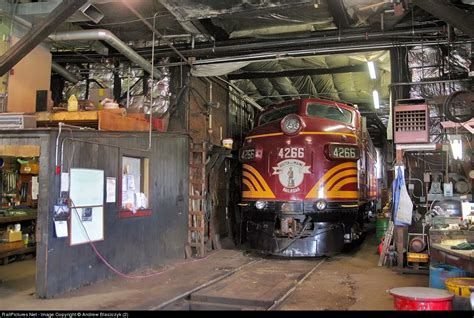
{"x": 278, "y": 114}
{"x": 330, "y": 112}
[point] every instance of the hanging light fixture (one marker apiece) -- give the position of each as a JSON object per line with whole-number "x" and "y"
{"x": 372, "y": 73}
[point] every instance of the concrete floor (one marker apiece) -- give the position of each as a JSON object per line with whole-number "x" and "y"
{"x": 345, "y": 282}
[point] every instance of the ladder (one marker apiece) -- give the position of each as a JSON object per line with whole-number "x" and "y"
{"x": 386, "y": 243}
{"x": 197, "y": 200}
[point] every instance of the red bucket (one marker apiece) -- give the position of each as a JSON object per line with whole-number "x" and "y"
{"x": 421, "y": 298}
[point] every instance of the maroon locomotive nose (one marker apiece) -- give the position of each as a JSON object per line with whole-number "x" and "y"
{"x": 308, "y": 177}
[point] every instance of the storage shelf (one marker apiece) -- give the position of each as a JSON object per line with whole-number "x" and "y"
{"x": 25, "y": 250}
{"x": 20, "y": 218}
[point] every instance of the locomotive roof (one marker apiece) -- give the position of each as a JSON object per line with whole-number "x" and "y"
{"x": 315, "y": 99}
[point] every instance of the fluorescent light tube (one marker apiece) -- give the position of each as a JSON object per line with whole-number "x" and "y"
{"x": 375, "y": 94}
{"x": 372, "y": 70}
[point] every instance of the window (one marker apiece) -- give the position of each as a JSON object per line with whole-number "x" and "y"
{"x": 278, "y": 114}
{"x": 134, "y": 186}
{"x": 330, "y": 112}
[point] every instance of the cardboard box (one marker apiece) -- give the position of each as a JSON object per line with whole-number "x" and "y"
{"x": 98, "y": 94}
{"x": 29, "y": 168}
{"x": 7, "y": 247}
{"x": 13, "y": 236}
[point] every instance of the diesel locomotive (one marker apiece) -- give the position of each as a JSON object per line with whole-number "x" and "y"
{"x": 308, "y": 178}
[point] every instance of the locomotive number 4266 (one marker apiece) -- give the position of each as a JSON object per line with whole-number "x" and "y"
{"x": 291, "y": 152}
{"x": 343, "y": 152}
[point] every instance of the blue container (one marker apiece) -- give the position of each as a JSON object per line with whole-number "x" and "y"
{"x": 440, "y": 272}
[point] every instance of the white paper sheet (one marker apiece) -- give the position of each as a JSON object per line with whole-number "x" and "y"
{"x": 130, "y": 182}
{"x": 111, "y": 181}
{"x": 124, "y": 183}
{"x": 61, "y": 228}
{"x": 87, "y": 187}
{"x": 87, "y": 226}
{"x": 34, "y": 188}
{"x": 64, "y": 182}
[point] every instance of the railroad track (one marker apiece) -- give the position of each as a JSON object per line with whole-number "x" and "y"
{"x": 262, "y": 284}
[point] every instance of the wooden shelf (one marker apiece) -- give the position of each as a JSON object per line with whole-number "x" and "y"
{"x": 111, "y": 120}
{"x": 19, "y": 218}
{"x": 26, "y": 250}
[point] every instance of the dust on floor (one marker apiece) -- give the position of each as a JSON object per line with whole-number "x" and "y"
{"x": 351, "y": 282}
{"x": 345, "y": 282}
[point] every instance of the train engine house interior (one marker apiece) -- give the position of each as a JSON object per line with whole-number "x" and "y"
{"x": 236, "y": 155}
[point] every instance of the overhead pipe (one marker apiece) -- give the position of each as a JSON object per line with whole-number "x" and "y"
{"x": 64, "y": 73}
{"x": 110, "y": 38}
{"x": 321, "y": 38}
{"x": 419, "y": 147}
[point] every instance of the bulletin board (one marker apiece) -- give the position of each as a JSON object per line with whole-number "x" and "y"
{"x": 87, "y": 205}
{"x": 86, "y": 187}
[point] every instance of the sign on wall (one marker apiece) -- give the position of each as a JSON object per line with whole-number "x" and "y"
{"x": 87, "y": 205}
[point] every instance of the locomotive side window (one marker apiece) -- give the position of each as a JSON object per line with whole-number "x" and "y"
{"x": 330, "y": 112}
{"x": 278, "y": 114}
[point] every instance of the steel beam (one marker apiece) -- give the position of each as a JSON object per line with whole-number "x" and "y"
{"x": 299, "y": 72}
{"x": 178, "y": 13}
{"x": 339, "y": 14}
{"x": 459, "y": 18}
{"x": 38, "y": 34}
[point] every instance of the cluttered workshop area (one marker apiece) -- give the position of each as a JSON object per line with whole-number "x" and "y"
{"x": 236, "y": 155}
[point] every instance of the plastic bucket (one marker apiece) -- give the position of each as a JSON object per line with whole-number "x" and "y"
{"x": 439, "y": 273}
{"x": 421, "y": 298}
{"x": 460, "y": 285}
{"x": 381, "y": 225}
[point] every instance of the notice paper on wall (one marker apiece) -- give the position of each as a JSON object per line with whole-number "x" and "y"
{"x": 64, "y": 182}
{"x": 111, "y": 181}
{"x": 87, "y": 187}
{"x": 34, "y": 188}
{"x": 61, "y": 228}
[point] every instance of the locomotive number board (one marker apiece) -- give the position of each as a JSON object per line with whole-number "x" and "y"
{"x": 247, "y": 154}
{"x": 343, "y": 152}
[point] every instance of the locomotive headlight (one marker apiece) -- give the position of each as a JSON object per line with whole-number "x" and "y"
{"x": 320, "y": 205}
{"x": 260, "y": 205}
{"x": 291, "y": 124}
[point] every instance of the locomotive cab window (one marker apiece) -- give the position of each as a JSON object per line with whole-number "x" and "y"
{"x": 278, "y": 114}
{"x": 135, "y": 184}
{"x": 330, "y": 112}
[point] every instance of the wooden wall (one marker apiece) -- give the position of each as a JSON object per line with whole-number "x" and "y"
{"x": 32, "y": 73}
{"x": 207, "y": 111}
{"x": 129, "y": 243}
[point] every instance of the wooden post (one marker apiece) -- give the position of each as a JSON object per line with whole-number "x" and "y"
{"x": 400, "y": 231}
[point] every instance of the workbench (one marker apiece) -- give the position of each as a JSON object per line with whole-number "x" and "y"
{"x": 463, "y": 259}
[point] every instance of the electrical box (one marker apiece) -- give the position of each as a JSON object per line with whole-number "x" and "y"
{"x": 411, "y": 119}
{"x": 448, "y": 189}
{"x": 411, "y": 186}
